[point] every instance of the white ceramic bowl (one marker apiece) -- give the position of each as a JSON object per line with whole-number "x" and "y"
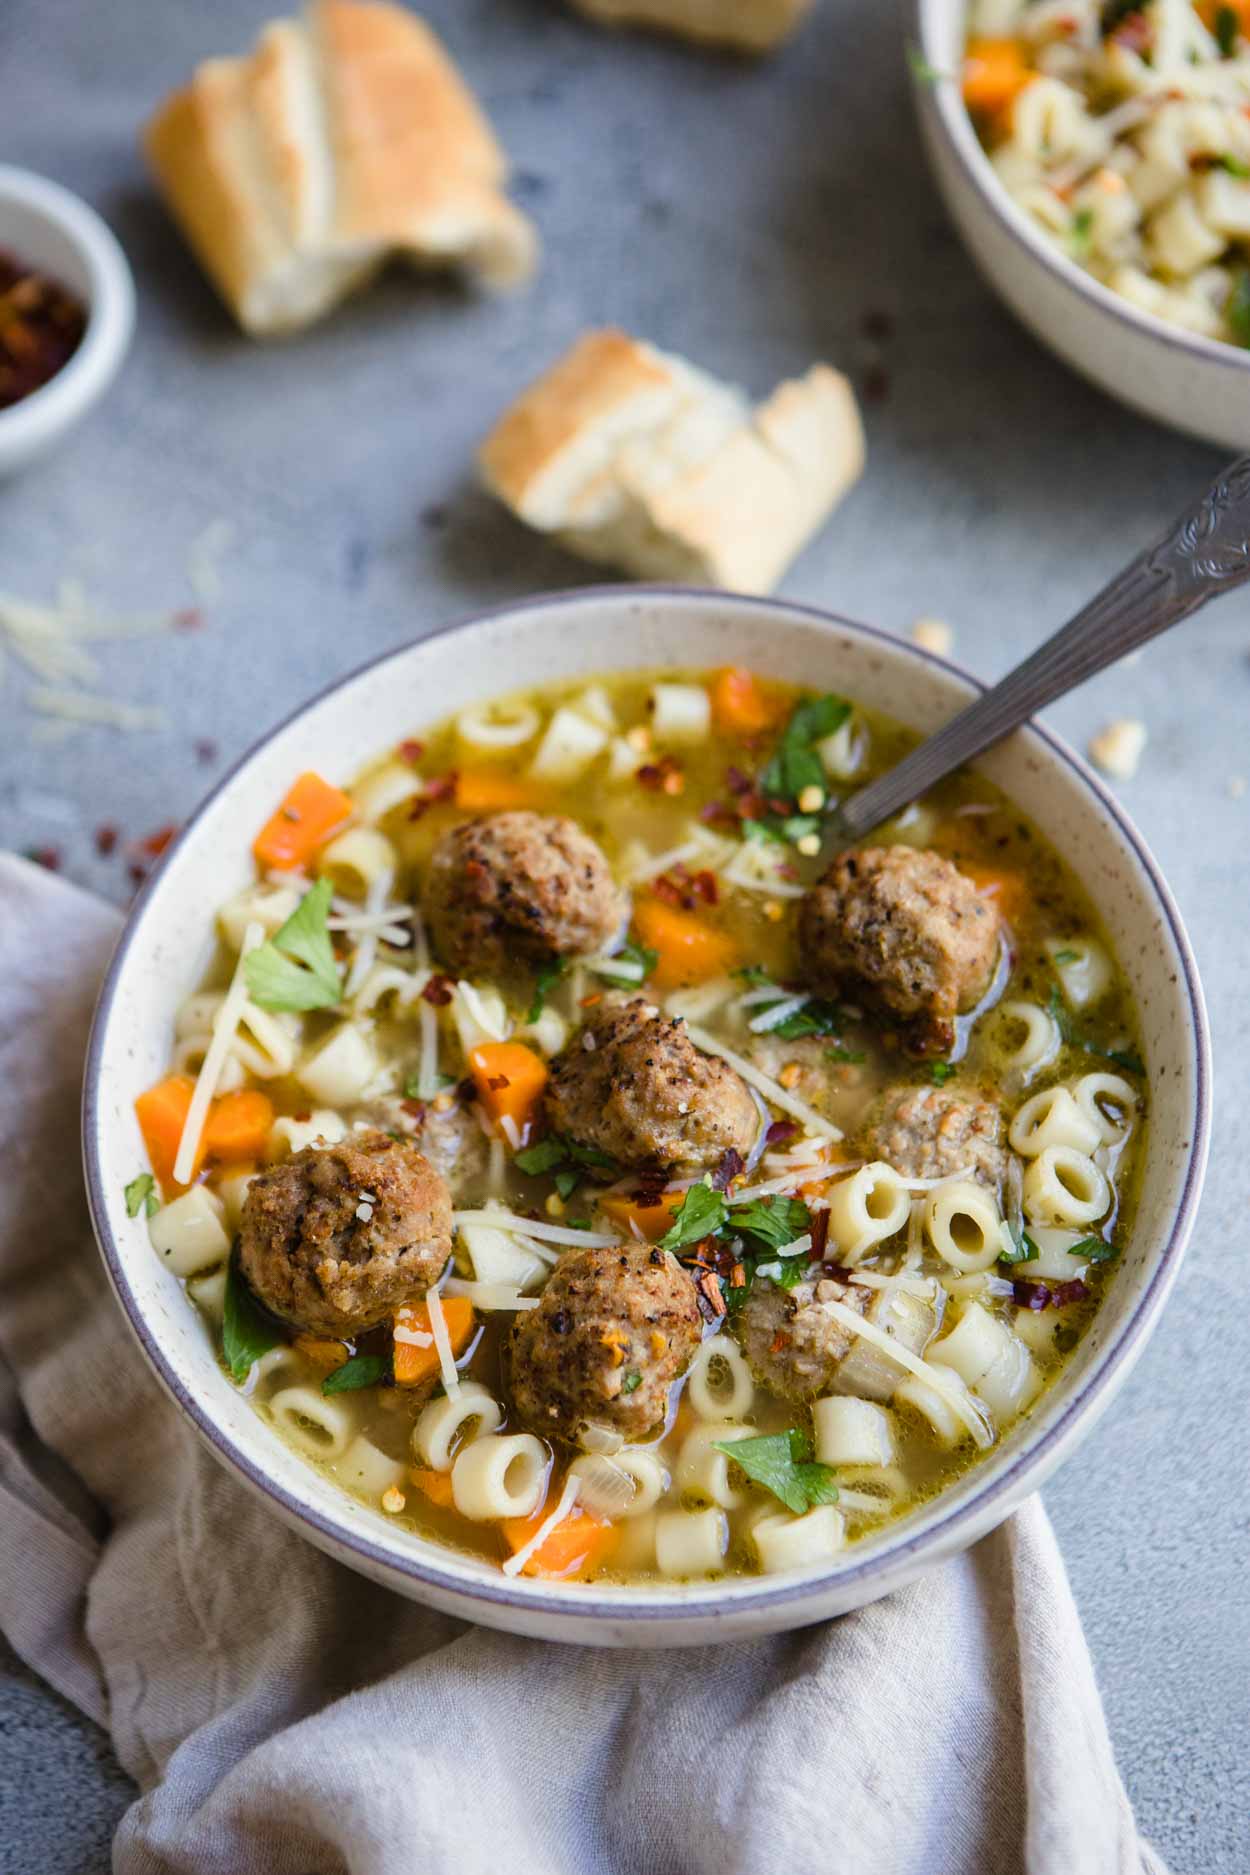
{"x": 168, "y": 941}
{"x": 1196, "y": 384}
{"x": 54, "y": 231}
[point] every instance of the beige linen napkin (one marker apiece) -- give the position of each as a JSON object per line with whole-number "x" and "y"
{"x": 284, "y": 1716}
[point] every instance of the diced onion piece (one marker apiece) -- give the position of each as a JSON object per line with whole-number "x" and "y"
{"x": 934, "y": 1377}
{"x": 188, "y": 1235}
{"x": 680, "y": 714}
{"x": 569, "y": 746}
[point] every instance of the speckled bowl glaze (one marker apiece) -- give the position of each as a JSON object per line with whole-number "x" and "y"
{"x": 1195, "y": 384}
{"x": 167, "y": 943}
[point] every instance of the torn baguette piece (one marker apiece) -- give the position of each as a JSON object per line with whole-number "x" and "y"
{"x": 343, "y": 139}
{"x": 743, "y": 25}
{"x": 633, "y": 457}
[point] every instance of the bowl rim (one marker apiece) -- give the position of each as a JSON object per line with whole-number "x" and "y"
{"x": 964, "y": 1521}
{"x": 110, "y": 308}
{"x": 964, "y": 144}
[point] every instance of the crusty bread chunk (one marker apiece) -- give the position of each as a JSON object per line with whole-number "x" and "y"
{"x": 745, "y": 25}
{"x": 634, "y": 457}
{"x": 344, "y": 138}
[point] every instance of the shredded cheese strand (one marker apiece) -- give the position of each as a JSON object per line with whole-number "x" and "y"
{"x": 504, "y": 1219}
{"x": 442, "y": 1341}
{"x": 225, "y": 1027}
{"x": 932, "y": 1376}
{"x": 568, "y": 1497}
{"x": 771, "y": 1090}
{"x": 492, "y": 1297}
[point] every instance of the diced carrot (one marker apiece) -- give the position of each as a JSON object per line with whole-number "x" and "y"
{"x": 575, "y": 1546}
{"x": 311, "y": 812}
{"x": 689, "y": 949}
{"x": 1007, "y": 891}
{"x": 327, "y": 1355}
{"x": 435, "y": 1484}
{"x": 994, "y": 74}
{"x": 238, "y": 1125}
{"x": 487, "y": 790}
{"x": 646, "y": 1220}
{"x": 415, "y": 1364}
{"x": 740, "y": 704}
{"x": 510, "y": 1079}
{"x": 162, "y": 1114}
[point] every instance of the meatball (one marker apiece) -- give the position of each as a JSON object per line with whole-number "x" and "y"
{"x": 930, "y": 1132}
{"x": 633, "y": 1084}
{"x": 792, "y": 1344}
{"x": 612, "y": 1332}
{"x": 905, "y": 928}
{"x": 519, "y": 888}
{"x": 336, "y": 1237}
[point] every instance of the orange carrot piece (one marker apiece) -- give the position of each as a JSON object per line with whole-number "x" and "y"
{"x": 415, "y": 1364}
{"x": 488, "y": 790}
{"x": 162, "y": 1114}
{"x": 238, "y": 1125}
{"x": 994, "y": 74}
{"x": 311, "y": 812}
{"x": 690, "y": 951}
{"x": 741, "y": 706}
{"x": 648, "y": 1220}
{"x": 575, "y": 1546}
{"x": 1008, "y": 892}
{"x": 435, "y": 1484}
{"x": 325, "y": 1355}
{"x": 510, "y": 1079}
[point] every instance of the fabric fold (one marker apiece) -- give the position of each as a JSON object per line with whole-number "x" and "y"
{"x": 282, "y": 1714}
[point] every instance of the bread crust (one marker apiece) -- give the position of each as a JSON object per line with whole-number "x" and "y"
{"x": 743, "y": 25}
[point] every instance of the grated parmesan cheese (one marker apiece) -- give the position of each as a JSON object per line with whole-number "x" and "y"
{"x": 504, "y": 1219}
{"x": 963, "y": 1407}
{"x": 225, "y": 1026}
{"x": 568, "y": 1497}
{"x": 442, "y": 1342}
{"x": 771, "y": 1090}
{"x": 204, "y": 559}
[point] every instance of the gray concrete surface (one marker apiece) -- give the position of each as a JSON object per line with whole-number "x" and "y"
{"x": 753, "y": 219}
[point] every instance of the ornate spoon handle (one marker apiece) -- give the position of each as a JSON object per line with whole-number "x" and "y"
{"x": 1206, "y": 552}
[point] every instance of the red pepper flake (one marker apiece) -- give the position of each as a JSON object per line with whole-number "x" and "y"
{"x": 664, "y": 776}
{"x": 679, "y": 886}
{"x": 1030, "y": 1295}
{"x": 838, "y": 1271}
{"x": 710, "y": 1297}
{"x": 737, "y": 782}
{"x": 415, "y": 1109}
{"x": 1063, "y": 1295}
{"x": 780, "y": 1131}
{"x": 1049, "y": 1295}
{"x": 49, "y": 857}
{"x": 154, "y": 844}
{"x": 439, "y": 991}
{"x": 652, "y": 1185}
{"x": 303, "y": 1118}
{"x": 412, "y": 751}
{"x": 820, "y": 1234}
{"x": 779, "y": 1342}
{"x": 728, "y": 1166}
{"x": 136, "y": 873}
{"x": 718, "y": 814}
{"x": 41, "y": 327}
{"x": 189, "y": 619}
{"x": 205, "y": 751}
{"x": 105, "y": 839}
{"x": 442, "y": 788}
{"x": 497, "y": 1083}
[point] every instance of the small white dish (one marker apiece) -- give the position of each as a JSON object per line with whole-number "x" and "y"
{"x": 168, "y": 943}
{"x": 51, "y": 229}
{"x": 1198, "y": 385}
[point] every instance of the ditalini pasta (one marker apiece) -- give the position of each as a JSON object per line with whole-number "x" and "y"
{"x": 1122, "y": 131}
{"x": 563, "y": 1168}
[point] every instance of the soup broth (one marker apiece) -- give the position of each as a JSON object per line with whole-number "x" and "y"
{"x": 862, "y": 1294}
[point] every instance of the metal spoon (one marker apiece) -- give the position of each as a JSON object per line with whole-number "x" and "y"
{"x": 1206, "y": 552}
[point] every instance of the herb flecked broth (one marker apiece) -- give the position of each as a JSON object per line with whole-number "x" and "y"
{"x": 841, "y": 1074}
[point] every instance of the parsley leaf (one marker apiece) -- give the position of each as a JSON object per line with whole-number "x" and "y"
{"x": 1126, "y": 1058}
{"x": 754, "y": 976}
{"x": 1235, "y": 167}
{"x": 774, "y": 1221}
{"x": 296, "y": 968}
{"x": 1095, "y": 1250}
{"x": 940, "y": 1072}
{"x": 702, "y": 1213}
{"x": 141, "y": 1196}
{"x": 850, "y": 1055}
{"x": 1023, "y": 1250}
{"x": 783, "y": 830}
{"x": 245, "y": 1334}
{"x": 567, "y": 1181}
{"x": 1226, "y": 34}
{"x": 921, "y": 70}
{"x": 631, "y": 1381}
{"x": 563, "y": 1158}
{"x": 784, "y": 1272}
{"x": 544, "y": 983}
{"x": 1082, "y": 228}
{"x": 1064, "y": 957}
{"x": 816, "y": 1017}
{"x": 540, "y": 1158}
{"x": 363, "y": 1370}
{"x": 1237, "y": 308}
{"x": 778, "y": 1462}
{"x": 795, "y": 765}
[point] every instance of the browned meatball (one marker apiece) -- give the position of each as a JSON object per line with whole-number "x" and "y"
{"x": 612, "y": 1332}
{"x": 336, "y": 1237}
{"x": 519, "y": 888}
{"x": 633, "y": 1084}
{"x": 792, "y": 1344}
{"x": 930, "y": 1132}
{"x": 904, "y": 928}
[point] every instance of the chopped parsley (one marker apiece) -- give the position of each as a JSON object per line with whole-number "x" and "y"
{"x": 1065, "y": 957}
{"x": 921, "y": 70}
{"x": 773, "y": 1221}
{"x": 564, "y": 1159}
{"x": 245, "y": 1332}
{"x": 1126, "y": 1058}
{"x": 795, "y": 764}
{"x": 1023, "y": 1249}
{"x": 363, "y": 1370}
{"x": 701, "y": 1214}
{"x": 141, "y": 1196}
{"x": 782, "y": 829}
{"x": 1082, "y": 228}
{"x": 1237, "y": 307}
{"x": 296, "y": 969}
{"x": 940, "y": 1072}
{"x": 782, "y": 1462}
{"x": 754, "y": 976}
{"x": 816, "y": 1017}
{"x": 1095, "y": 1250}
{"x": 852, "y": 1056}
{"x": 1226, "y": 28}
{"x": 1235, "y": 167}
{"x": 544, "y": 983}
{"x": 631, "y": 1381}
